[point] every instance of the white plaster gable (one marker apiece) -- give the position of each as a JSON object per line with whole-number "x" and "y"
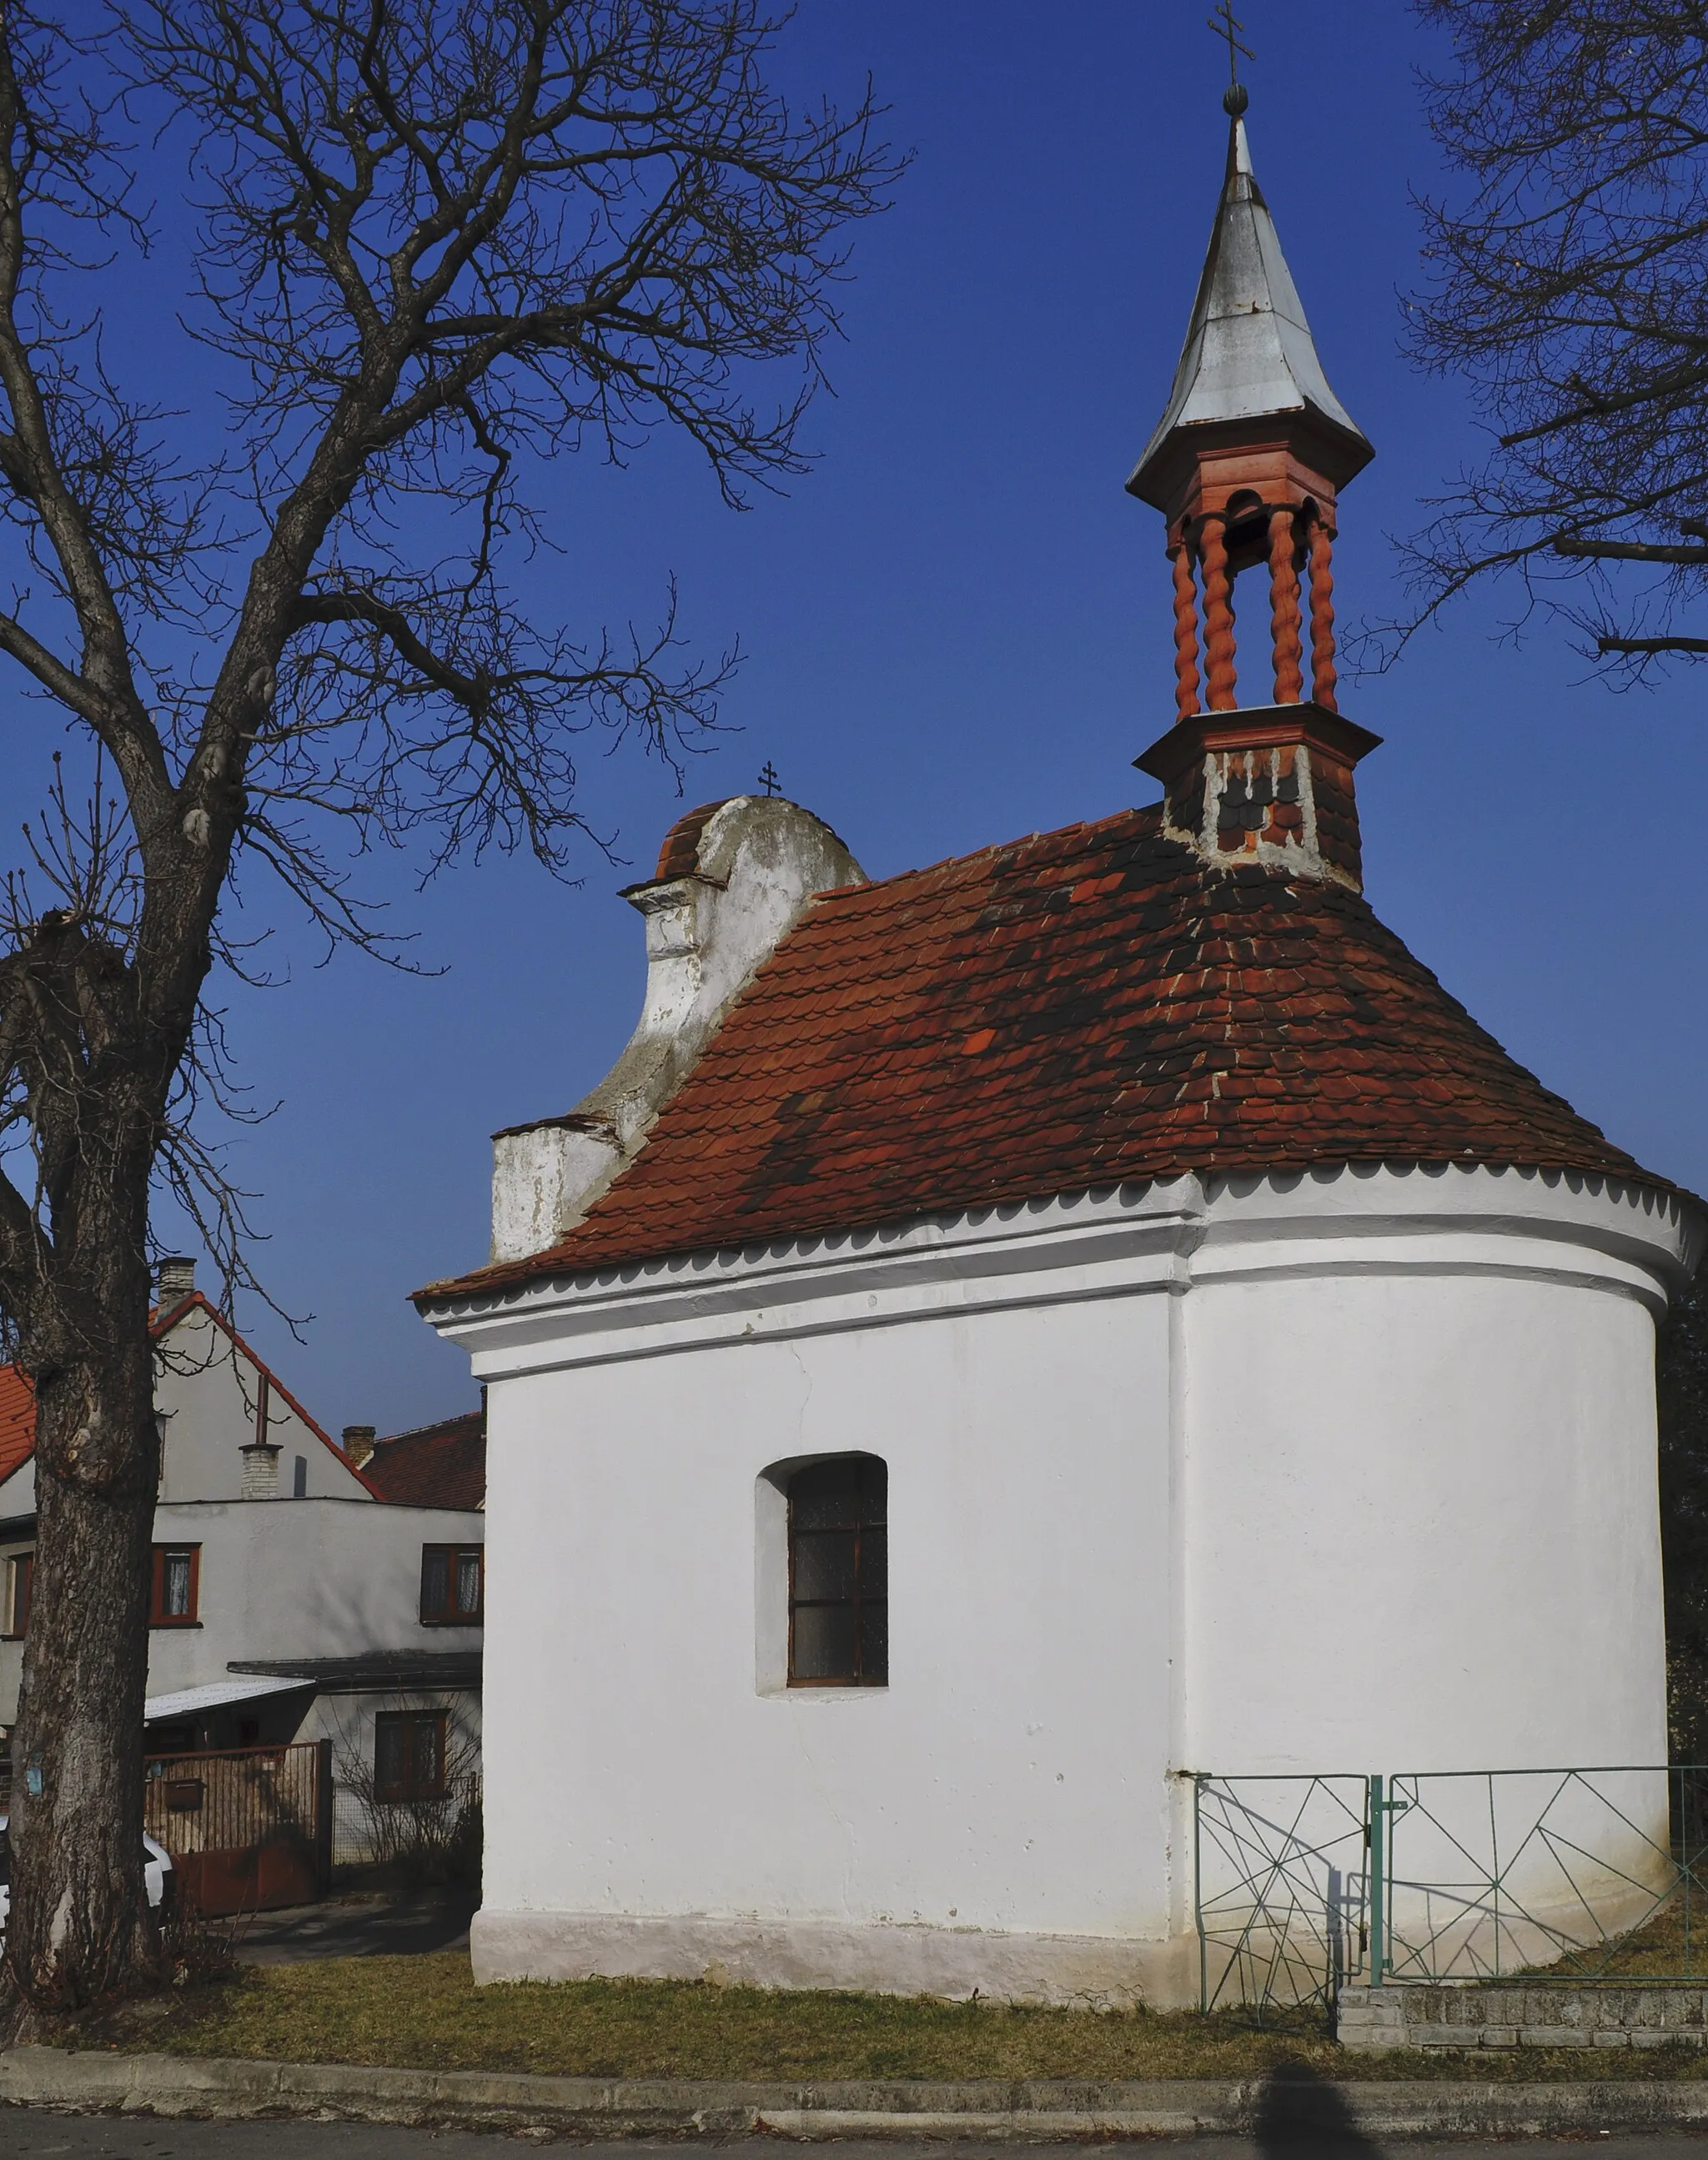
{"x": 207, "y": 1394}
{"x": 17, "y": 1493}
{"x": 757, "y": 863}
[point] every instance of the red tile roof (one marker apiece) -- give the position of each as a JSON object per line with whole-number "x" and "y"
{"x": 17, "y": 1420}
{"x": 436, "y": 1466}
{"x": 1072, "y": 1010}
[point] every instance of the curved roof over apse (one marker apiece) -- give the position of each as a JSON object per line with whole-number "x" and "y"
{"x": 1078, "y": 1008}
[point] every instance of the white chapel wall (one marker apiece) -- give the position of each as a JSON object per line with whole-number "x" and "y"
{"x": 1011, "y": 1776}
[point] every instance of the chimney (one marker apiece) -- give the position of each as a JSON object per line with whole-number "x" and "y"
{"x": 175, "y": 1280}
{"x": 260, "y": 1454}
{"x": 358, "y": 1442}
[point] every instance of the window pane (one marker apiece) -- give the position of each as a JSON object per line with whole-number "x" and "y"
{"x": 823, "y": 1498}
{"x": 874, "y": 1643}
{"x": 435, "y": 1579}
{"x": 824, "y": 1643}
{"x": 875, "y": 1561}
{"x": 175, "y": 1587}
{"x": 468, "y": 1582}
{"x": 824, "y": 1564}
{"x": 388, "y": 1752}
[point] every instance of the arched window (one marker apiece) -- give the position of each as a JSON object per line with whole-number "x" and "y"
{"x": 839, "y": 1573}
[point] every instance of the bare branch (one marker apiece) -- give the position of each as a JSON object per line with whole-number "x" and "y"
{"x": 1652, "y": 644}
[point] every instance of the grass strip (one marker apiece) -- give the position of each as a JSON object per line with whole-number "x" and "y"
{"x": 426, "y": 2013}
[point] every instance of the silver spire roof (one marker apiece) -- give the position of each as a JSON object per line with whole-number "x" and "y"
{"x": 1249, "y": 349}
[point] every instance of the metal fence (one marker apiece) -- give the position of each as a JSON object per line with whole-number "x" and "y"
{"x": 1307, "y": 1883}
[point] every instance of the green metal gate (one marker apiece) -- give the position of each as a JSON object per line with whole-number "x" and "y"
{"x": 1307, "y": 1883}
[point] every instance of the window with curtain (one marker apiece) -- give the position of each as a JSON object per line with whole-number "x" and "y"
{"x": 174, "y": 1589}
{"x": 453, "y": 1585}
{"x": 839, "y": 1573}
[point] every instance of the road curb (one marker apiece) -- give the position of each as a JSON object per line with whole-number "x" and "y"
{"x": 94, "y": 2081}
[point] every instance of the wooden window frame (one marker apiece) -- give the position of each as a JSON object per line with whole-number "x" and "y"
{"x": 20, "y": 1587}
{"x": 158, "y": 1617}
{"x": 448, "y": 1616}
{"x": 859, "y": 1599}
{"x": 401, "y": 1791}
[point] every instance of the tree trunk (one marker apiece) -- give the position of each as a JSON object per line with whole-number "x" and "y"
{"x": 79, "y": 1926}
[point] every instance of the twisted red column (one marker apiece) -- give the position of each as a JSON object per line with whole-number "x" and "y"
{"x": 1218, "y": 616}
{"x": 1284, "y": 608}
{"x": 1185, "y": 631}
{"x": 1322, "y": 617}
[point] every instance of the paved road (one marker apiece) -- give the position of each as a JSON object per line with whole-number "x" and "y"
{"x": 358, "y": 1927}
{"x": 27, "y": 2134}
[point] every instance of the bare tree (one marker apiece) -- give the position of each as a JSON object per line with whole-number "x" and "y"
{"x": 1571, "y": 286}
{"x": 436, "y": 241}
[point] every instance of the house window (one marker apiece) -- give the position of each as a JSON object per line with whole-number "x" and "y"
{"x": 299, "y": 1478}
{"x": 453, "y": 1585}
{"x": 839, "y": 1573}
{"x": 174, "y": 1590}
{"x": 20, "y": 1579}
{"x": 409, "y": 1755}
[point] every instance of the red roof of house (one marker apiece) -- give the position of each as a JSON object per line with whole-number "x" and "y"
{"x": 1075, "y": 1009}
{"x": 436, "y": 1466}
{"x": 17, "y": 1420}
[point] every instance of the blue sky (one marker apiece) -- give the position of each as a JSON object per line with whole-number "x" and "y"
{"x": 958, "y": 628}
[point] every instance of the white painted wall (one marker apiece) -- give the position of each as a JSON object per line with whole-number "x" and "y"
{"x": 1353, "y": 1470}
{"x": 641, "y": 1768}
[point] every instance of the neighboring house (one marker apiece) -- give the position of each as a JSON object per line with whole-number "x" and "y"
{"x": 299, "y": 1591}
{"x": 1010, "y": 1337}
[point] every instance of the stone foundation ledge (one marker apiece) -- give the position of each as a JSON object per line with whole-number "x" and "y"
{"x": 1277, "y": 2111}
{"x": 1519, "y": 2015}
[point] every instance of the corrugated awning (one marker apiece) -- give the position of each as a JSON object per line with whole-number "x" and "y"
{"x": 215, "y": 1695}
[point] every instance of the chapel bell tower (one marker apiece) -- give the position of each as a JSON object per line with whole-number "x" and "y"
{"x": 1246, "y": 465}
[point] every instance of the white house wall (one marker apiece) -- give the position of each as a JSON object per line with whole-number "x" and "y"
{"x": 290, "y": 1579}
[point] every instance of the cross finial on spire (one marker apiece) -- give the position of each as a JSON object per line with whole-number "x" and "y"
{"x": 1226, "y": 25}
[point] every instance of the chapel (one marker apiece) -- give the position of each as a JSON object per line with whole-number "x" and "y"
{"x": 1009, "y": 1338}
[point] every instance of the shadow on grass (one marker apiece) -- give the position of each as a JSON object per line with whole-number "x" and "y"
{"x": 1300, "y": 2113}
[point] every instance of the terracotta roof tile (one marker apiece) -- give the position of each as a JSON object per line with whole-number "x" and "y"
{"x": 1080, "y": 1007}
{"x": 17, "y": 1420}
{"x": 436, "y": 1466}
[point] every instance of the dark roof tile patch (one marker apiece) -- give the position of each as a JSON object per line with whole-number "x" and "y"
{"x": 436, "y": 1466}
{"x": 682, "y": 843}
{"x": 1079, "y": 1008}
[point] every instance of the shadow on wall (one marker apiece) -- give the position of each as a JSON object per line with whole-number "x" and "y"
{"x": 1300, "y": 2114}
